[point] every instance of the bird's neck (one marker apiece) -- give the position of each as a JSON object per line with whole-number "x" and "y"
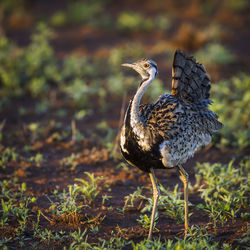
{"x": 135, "y": 115}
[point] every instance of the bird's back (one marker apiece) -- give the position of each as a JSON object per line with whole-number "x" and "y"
{"x": 181, "y": 122}
{"x": 179, "y": 129}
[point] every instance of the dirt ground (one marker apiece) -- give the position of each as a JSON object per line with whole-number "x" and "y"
{"x": 117, "y": 182}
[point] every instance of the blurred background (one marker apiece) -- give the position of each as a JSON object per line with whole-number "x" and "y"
{"x": 63, "y": 95}
{"x": 61, "y": 59}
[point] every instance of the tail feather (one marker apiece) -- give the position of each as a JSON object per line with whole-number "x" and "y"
{"x": 189, "y": 79}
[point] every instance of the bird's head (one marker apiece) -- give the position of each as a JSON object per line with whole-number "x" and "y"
{"x": 145, "y": 67}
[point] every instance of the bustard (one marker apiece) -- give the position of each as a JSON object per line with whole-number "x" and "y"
{"x": 165, "y": 134}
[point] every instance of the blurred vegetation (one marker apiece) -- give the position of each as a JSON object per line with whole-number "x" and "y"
{"x": 134, "y": 21}
{"x": 59, "y": 89}
{"x": 89, "y": 12}
{"x": 232, "y": 104}
{"x": 35, "y": 71}
{"x": 29, "y": 70}
{"x": 214, "y": 53}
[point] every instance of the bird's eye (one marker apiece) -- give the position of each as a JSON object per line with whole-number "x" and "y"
{"x": 146, "y": 65}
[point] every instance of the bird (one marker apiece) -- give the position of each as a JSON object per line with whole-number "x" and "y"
{"x": 165, "y": 134}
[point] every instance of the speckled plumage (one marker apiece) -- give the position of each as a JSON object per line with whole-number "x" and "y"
{"x": 167, "y": 133}
{"x": 176, "y": 125}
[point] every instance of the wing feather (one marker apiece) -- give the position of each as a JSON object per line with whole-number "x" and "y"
{"x": 189, "y": 79}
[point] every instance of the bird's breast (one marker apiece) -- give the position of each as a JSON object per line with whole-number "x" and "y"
{"x": 136, "y": 155}
{"x": 137, "y": 150}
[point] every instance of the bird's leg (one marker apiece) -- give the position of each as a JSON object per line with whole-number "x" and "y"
{"x": 184, "y": 175}
{"x": 156, "y": 193}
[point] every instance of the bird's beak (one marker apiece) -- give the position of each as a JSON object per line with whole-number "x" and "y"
{"x": 130, "y": 65}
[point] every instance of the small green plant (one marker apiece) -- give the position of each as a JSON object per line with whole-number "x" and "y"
{"x": 224, "y": 190}
{"x": 66, "y": 206}
{"x": 145, "y": 221}
{"x": 79, "y": 240}
{"x": 88, "y": 189}
{"x": 113, "y": 243}
{"x": 15, "y": 204}
{"x": 132, "y": 198}
{"x": 70, "y": 161}
{"x": 5, "y": 211}
{"x": 196, "y": 244}
{"x": 48, "y": 236}
{"x": 38, "y": 159}
{"x": 6, "y": 155}
{"x": 170, "y": 202}
{"x": 94, "y": 229}
{"x": 200, "y": 233}
{"x": 105, "y": 197}
{"x": 36, "y": 224}
{"x": 79, "y": 115}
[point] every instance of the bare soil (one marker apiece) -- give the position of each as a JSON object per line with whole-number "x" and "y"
{"x": 42, "y": 180}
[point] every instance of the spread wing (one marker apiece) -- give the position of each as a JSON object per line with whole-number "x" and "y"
{"x": 170, "y": 118}
{"x": 187, "y": 106}
{"x": 189, "y": 79}
{"x": 160, "y": 118}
